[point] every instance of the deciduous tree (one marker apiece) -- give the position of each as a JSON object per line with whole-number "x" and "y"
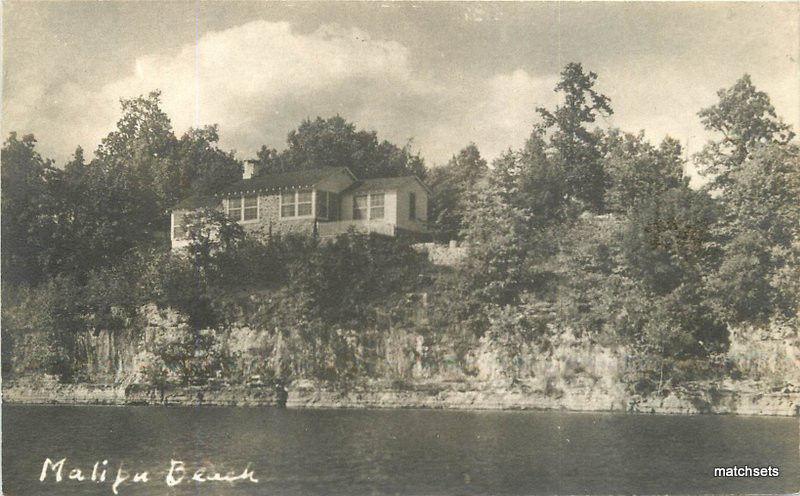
{"x": 334, "y": 142}
{"x": 575, "y": 144}
{"x": 452, "y": 185}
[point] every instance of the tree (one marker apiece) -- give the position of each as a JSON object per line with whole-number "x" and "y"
{"x": 341, "y": 282}
{"x": 755, "y": 171}
{"x": 211, "y": 234}
{"x": 452, "y": 184}
{"x": 141, "y": 148}
{"x": 671, "y": 239}
{"x": 576, "y": 146}
{"x": 638, "y": 171}
{"x": 746, "y": 119}
{"x": 508, "y": 225}
{"x": 28, "y": 224}
{"x": 119, "y": 201}
{"x": 762, "y": 195}
{"x": 203, "y": 167}
{"x": 267, "y": 161}
{"x": 103, "y": 215}
{"x": 741, "y": 286}
{"x": 334, "y": 142}
{"x": 45, "y": 322}
{"x": 145, "y": 150}
{"x": 761, "y": 233}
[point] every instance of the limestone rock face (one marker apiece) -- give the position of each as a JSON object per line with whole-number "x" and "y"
{"x": 769, "y": 354}
{"x": 406, "y": 368}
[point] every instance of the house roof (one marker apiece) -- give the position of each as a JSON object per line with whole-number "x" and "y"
{"x": 283, "y": 180}
{"x": 196, "y": 202}
{"x": 296, "y": 179}
{"x": 385, "y": 183}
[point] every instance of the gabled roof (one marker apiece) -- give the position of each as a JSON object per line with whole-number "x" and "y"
{"x": 283, "y": 180}
{"x": 385, "y": 183}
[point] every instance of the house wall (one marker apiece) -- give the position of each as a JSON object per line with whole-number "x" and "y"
{"x": 389, "y": 206}
{"x": 404, "y": 205}
{"x": 173, "y": 218}
{"x": 396, "y": 209}
{"x": 269, "y": 216}
{"x": 269, "y": 210}
{"x": 178, "y": 214}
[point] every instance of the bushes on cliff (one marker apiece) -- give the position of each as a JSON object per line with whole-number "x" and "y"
{"x": 323, "y": 298}
{"x": 176, "y": 352}
{"x": 343, "y": 282}
{"x": 635, "y": 279}
{"x": 334, "y": 295}
{"x": 43, "y": 324}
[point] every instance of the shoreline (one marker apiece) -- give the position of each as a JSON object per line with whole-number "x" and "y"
{"x": 440, "y": 397}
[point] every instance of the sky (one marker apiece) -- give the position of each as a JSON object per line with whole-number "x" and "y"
{"x": 437, "y": 75}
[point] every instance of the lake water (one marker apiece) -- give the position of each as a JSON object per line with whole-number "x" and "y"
{"x": 360, "y": 452}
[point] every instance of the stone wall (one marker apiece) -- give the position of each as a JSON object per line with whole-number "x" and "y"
{"x": 270, "y": 222}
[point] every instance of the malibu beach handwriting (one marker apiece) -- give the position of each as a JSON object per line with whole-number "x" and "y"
{"x": 177, "y": 473}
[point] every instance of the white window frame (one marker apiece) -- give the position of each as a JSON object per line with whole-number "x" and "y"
{"x": 310, "y": 203}
{"x": 382, "y": 206}
{"x": 365, "y": 209}
{"x": 293, "y": 204}
{"x": 370, "y": 206}
{"x": 240, "y": 200}
{"x": 296, "y": 203}
{"x": 257, "y": 207}
{"x": 179, "y": 224}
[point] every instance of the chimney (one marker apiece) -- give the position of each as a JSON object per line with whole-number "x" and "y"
{"x": 249, "y": 167}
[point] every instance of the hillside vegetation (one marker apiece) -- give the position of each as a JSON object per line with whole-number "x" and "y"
{"x": 590, "y": 263}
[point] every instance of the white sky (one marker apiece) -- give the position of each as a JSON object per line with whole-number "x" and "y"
{"x": 440, "y": 74}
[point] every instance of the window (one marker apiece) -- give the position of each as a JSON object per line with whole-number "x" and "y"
{"x": 296, "y": 204}
{"x": 250, "y": 208}
{"x": 360, "y": 206}
{"x": 376, "y": 206}
{"x": 333, "y": 206}
{"x": 323, "y": 200}
{"x": 412, "y": 206}
{"x": 178, "y": 226}
{"x": 288, "y": 204}
{"x": 303, "y": 203}
{"x": 368, "y": 206}
{"x": 243, "y": 208}
{"x": 235, "y": 209}
{"x": 327, "y": 209}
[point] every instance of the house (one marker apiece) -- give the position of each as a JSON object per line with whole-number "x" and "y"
{"x": 323, "y": 202}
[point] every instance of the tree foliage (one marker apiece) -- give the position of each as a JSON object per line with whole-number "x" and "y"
{"x": 637, "y": 171}
{"x": 452, "y": 185}
{"x": 508, "y": 222}
{"x": 28, "y": 220}
{"x": 334, "y": 142}
{"x": 575, "y": 145}
{"x": 745, "y": 119}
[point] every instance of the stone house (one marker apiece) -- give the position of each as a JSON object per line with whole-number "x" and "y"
{"x": 324, "y": 202}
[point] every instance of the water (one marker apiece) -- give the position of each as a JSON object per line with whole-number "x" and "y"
{"x": 359, "y": 452}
